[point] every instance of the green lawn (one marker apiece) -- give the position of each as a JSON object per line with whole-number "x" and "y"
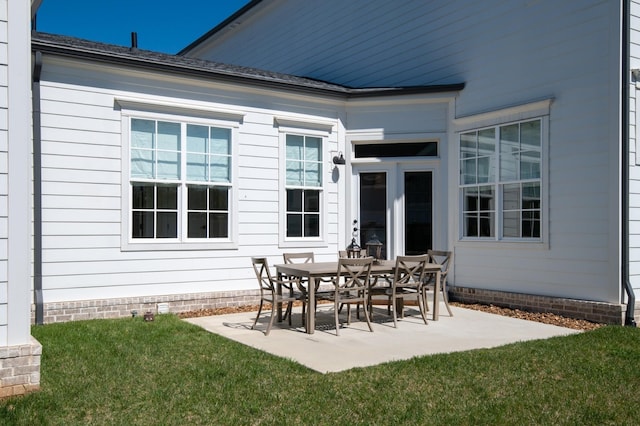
{"x": 168, "y": 372}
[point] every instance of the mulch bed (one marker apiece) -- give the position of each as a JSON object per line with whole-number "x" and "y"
{"x": 543, "y": 317}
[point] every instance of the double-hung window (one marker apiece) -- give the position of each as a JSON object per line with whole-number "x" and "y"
{"x": 501, "y": 181}
{"x": 180, "y": 181}
{"x": 303, "y": 186}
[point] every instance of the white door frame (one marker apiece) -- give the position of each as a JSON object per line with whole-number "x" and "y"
{"x": 395, "y": 198}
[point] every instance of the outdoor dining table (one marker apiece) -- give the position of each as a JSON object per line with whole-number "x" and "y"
{"x": 317, "y": 270}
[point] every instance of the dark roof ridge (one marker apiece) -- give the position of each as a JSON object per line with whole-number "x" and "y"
{"x": 244, "y": 9}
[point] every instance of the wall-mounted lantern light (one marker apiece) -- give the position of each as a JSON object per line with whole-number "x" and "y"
{"x": 339, "y": 160}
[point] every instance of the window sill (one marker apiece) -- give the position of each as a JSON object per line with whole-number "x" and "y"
{"x": 177, "y": 246}
{"x": 503, "y": 244}
{"x": 302, "y": 243}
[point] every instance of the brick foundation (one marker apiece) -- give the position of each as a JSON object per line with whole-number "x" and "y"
{"x": 20, "y": 369}
{"x": 604, "y": 313}
{"x": 123, "y": 307}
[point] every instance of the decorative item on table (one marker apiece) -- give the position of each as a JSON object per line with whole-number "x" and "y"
{"x": 353, "y": 249}
{"x": 374, "y": 248}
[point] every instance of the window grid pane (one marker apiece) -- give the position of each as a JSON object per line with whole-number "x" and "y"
{"x": 208, "y": 214}
{"x": 154, "y": 211}
{"x": 517, "y": 148}
{"x": 208, "y": 154}
{"x": 303, "y": 213}
{"x": 156, "y": 150}
{"x": 303, "y": 169}
{"x": 303, "y": 162}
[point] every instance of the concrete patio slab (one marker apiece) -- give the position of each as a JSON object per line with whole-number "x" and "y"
{"x": 325, "y": 352}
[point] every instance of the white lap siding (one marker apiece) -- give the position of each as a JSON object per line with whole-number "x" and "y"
{"x": 82, "y": 201}
{"x": 507, "y": 53}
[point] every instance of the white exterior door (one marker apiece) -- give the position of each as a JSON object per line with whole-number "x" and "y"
{"x": 393, "y": 204}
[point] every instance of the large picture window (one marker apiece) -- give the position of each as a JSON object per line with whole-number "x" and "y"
{"x": 303, "y": 184}
{"x": 501, "y": 181}
{"x": 180, "y": 181}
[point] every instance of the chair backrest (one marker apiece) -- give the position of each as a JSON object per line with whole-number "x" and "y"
{"x": 352, "y": 254}
{"x": 306, "y": 257}
{"x": 444, "y": 259}
{"x": 261, "y": 268}
{"x": 409, "y": 270}
{"x": 355, "y": 271}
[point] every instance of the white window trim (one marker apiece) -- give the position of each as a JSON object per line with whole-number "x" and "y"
{"x": 503, "y": 116}
{"x": 182, "y": 114}
{"x": 530, "y": 111}
{"x": 296, "y": 126}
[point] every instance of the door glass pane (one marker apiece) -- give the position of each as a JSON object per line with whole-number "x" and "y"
{"x": 417, "y": 213}
{"x": 373, "y": 209}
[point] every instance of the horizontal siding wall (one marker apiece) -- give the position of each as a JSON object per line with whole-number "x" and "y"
{"x": 82, "y": 204}
{"x": 507, "y": 53}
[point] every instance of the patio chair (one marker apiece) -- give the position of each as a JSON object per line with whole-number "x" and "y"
{"x": 445, "y": 260}
{"x": 351, "y": 286}
{"x": 408, "y": 279}
{"x": 269, "y": 291}
{"x": 305, "y": 257}
{"x": 352, "y": 254}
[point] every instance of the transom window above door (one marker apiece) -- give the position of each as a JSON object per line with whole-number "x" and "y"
{"x": 396, "y": 149}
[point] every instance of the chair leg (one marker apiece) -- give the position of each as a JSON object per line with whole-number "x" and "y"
{"x": 289, "y": 311}
{"x": 422, "y": 303}
{"x": 304, "y": 312}
{"x": 445, "y": 297}
{"x": 394, "y": 301}
{"x": 336, "y": 310}
{"x": 258, "y": 315}
{"x": 366, "y": 315}
{"x": 273, "y": 315}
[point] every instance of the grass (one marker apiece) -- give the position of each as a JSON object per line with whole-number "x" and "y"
{"x": 169, "y": 372}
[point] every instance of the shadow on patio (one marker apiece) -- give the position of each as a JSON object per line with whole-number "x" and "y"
{"x": 325, "y": 352}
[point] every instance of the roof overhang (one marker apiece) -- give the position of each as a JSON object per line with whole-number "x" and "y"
{"x": 153, "y": 61}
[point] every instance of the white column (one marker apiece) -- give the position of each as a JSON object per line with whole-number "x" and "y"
{"x": 19, "y": 187}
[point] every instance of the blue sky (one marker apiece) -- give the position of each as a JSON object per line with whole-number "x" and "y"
{"x": 162, "y": 25}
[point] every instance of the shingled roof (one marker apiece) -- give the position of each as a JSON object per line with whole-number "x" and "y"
{"x": 109, "y": 53}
